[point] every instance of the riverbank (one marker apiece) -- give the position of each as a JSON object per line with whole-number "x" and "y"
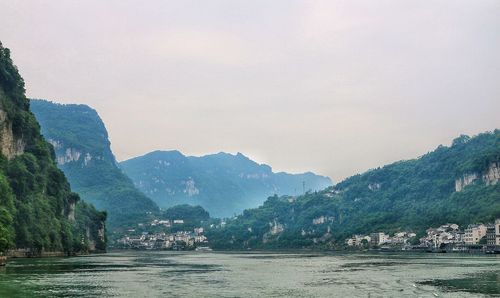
{"x": 23, "y": 253}
{"x": 27, "y": 254}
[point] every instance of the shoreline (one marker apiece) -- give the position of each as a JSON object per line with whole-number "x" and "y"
{"x": 22, "y": 254}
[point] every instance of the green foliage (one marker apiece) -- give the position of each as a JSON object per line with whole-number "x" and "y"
{"x": 7, "y": 211}
{"x": 91, "y": 221}
{"x": 408, "y": 195}
{"x": 94, "y": 175}
{"x": 186, "y": 212}
{"x": 35, "y": 198}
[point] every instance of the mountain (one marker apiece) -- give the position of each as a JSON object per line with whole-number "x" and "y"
{"x": 38, "y": 212}
{"x": 83, "y": 152}
{"x": 222, "y": 183}
{"x": 456, "y": 184}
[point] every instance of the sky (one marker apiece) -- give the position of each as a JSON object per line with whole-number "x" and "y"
{"x": 333, "y": 87}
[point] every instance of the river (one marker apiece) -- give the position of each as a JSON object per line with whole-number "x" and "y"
{"x": 255, "y": 274}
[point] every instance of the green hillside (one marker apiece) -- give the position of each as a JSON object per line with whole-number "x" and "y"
{"x": 83, "y": 153}
{"x": 407, "y": 195}
{"x": 38, "y": 211}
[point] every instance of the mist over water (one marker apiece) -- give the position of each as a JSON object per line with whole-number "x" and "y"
{"x": 264, "y": 274}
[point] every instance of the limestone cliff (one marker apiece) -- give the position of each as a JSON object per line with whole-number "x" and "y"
{"x": 10, "y": 145}
{"x": 490, "y": 177}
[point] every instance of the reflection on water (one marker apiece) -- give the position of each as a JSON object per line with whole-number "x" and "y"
{"x": 272, "y": 274}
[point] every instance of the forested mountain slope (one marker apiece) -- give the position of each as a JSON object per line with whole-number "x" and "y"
{"x": 456, "y": 184}
{"x": 38, "y": 211}
{"x": 83, "y": 153}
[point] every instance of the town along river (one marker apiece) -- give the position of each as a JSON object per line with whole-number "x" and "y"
{"x": 256, "y": 274}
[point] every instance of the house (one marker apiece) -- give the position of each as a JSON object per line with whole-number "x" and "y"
{"x": 165, "y": 223}
{"x": 491, "y": 235}
{"x": 357, "y": 240}
{"x": 378, "y": 238}
{"x": 474, "y": 233}
{"x": 200, "y": 238}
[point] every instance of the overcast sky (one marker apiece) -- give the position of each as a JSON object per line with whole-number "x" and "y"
{"x": 335, "y": 87}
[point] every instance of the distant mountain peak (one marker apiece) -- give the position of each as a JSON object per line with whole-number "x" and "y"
{"x": 222, "y": 183}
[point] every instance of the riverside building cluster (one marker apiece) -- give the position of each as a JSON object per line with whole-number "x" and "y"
{"x": 164, "y": 240}
{"x": 445, "y": 238}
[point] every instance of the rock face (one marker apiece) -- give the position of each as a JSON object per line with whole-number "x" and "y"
{"x": 465, "y": 180}
{"x": 490, "y": 177}
{"x": 10, "y": 146}
{"x": 70, "y": 210}
{"x": 99, "y": 237}
{"x": 65, "y": 154}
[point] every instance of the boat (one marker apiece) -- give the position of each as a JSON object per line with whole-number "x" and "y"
{"x": 203, "y": 248}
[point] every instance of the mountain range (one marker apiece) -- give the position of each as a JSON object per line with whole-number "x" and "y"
{"x": 224, "y": 184}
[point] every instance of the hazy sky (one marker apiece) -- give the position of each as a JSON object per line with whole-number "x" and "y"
{"x": 335, "y": 87}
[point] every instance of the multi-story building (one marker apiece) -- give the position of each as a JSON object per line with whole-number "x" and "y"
{"x": 378, "y": 238}
{"x": 474, "y": 233}
{"x": 357, "y": 240}
{"x": 491, "y": 235}
{"x": 497, "y": 232}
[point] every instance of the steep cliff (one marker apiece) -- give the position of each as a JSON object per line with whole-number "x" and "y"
{"x": 490, "y": 176}
{"x": 10, "y": 146}
{"x": 83, "y": 152}
{"x": 38, "y": 212}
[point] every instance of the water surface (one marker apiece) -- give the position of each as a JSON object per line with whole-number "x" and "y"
{"x": 264, "y": 274}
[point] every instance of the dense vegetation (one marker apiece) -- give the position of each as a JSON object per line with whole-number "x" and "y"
{"x": 84, "y": 154}
{"x": 224, "y": 184}
{"x": 195, "y": 214}
{"x": 36, "y": 203}
{"x": 407, "y": 195}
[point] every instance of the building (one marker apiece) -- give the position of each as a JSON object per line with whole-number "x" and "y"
{"x": 497, "y": 232}
{"x": 378, "y": 238}
{"x": 357, "y": 240}
{"x": 491, "y": 237}
{"x": 474, "y": 233}
{"x": 443, "y": 236}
